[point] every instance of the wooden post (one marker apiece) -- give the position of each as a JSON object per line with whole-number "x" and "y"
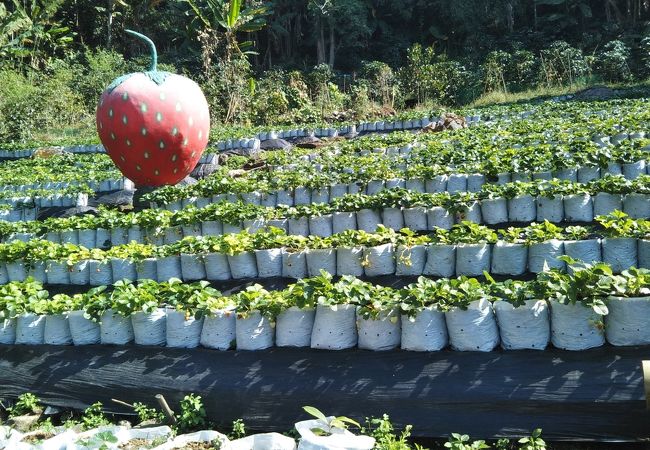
{"x": 166, "y": 409}
{"x": 646, "y": 382}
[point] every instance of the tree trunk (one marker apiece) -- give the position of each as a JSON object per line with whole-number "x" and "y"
{"x": 332, "y": 45}
{"x": 320, "y": 43}
{"x": 535, "y": 15}
{"x": 510, "y": 17}
{"x": 109, "y": 25}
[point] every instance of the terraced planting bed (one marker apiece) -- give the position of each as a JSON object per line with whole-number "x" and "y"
{"x": 491, "y": 279}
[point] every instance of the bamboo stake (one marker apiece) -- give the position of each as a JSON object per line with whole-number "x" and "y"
{"x": 166, "y": 409}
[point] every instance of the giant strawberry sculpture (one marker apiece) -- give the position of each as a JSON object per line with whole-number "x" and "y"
{"x": 154, "y": 125}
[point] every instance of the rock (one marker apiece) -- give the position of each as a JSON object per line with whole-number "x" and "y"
{"x": 24, "y": 423}
{"x": 76, "y": 211}
{"x": 309, "y": 142}
{"x": 275, "y": 144}
{"x": 49, "y": 152}
{"x": 449, "y": 121}
{"x": 596, "y": 93}
{"x": 119, "y": 198}
{"x": 204, "y": 170}
{"x": 187, "y": 181}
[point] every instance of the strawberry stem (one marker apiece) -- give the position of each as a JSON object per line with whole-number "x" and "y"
{"x": 152, "y": 47}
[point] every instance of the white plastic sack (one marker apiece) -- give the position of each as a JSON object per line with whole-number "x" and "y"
{"x": 80, "y": 273}
{"x": 379, "y": 260}
{"x": 334, "y": 327}
{"x": 440, "y": 261}
{"x": 200, "y": 436}
{"x": 294, "y": 264}
{"x": 269, "y": 262}
{"x": 255, "y": 332}
{"x": 115, "y": 328}
{"x": 605, "y": 203}
{"x": 321, "y": 225}
{"x": 218, "y": 330}
{"x": 410, "y": 261}
{"x": 148, "y": 434}
{"x": 382, "y": 333}
{"x": 169, "y": 267}
{"x": 342, "y": 221}
{"x": 83, "y": 331}
{"x": 267, "y": 441}
{"x": 16, "y": 270}
{"x": 217, "y": 267}
{"x": 123, "y": 269}
{"x": 183, "y": 332}
{"x": 587, "y": 250}
{"x": 551, "y": 209}
{"x": 426, "y": 332}
{"x": 473, "y": 329}
{"x": 149, "y": 328}
{"x": 619, "y": 253}
{"x": 494, "y": 211}
{"x": 294, "y": 327}
{"x": 320, "y": 259}
{"x": 643, "y": 248}
{"x": 339, "y": 438}
{"x": 298, "y": 226}
{"x": 575, "y": 327}
{"x": 471, "y": 213}
{"x": 439, "y": 217}
{"x": 627, "y": 321}
{"x": 436, "y": 184}
{"x": 472, "y": 259}
{"x": 393, "y": 218}
{"x": 545, "y": 253}
{"x": 146, "y": 269}
{"x": 349, "y": 261}
{"x": 415, "y": 218}
{"x": 95, "y": 439}
{"x": 523, "y": 327}
{"x": 368, "y": 220}
{"x": 637, "y": 206}
{"x": 578, "y": 208}
{"x": 100, "y": 273}
{"x": 57, "y": 272}
{"x": 57, "y": 330}
{"x": 30, "y": 328}
{"x": 509, "y": 258}
{"x": 522, "y": 209}
{"x": 243, "y": 265}
{"x": 8, "y": 331}
{"x": 192, "y": 267}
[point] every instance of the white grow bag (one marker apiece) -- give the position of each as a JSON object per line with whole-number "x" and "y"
{"x": 523, "y": 327}
{"x": 334, "y": 327}
{"x": 83, "y": 331}
{"x": 57, "y": 330}
{"x": 294, "y": 327}
{"x": 255, "y": 332}
{"x": 183, "y": 332}
{"x": 575, "y": 327}
{"x": 426, "y": 332}
{"x": 382, "y": 333}
{"x": 149, "y": 328}
{"x": 115, "y": 328}
{"x": 339, "y": 438}
{"x": 30, "y": 328}
{"x": 627, "y": 321}
{"x": 218, "y": 330}
{"x": 473, "y": 329}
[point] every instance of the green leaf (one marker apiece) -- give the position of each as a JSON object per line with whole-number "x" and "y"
{"x": 315, "y": 412}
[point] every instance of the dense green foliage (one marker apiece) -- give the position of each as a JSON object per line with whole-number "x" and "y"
{"x": 309, "y": 60}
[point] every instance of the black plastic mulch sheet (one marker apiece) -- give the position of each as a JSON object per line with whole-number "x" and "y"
{"x": 592, "y": 395}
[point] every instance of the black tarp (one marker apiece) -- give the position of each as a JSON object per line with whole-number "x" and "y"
{"x": 589, "y": 395}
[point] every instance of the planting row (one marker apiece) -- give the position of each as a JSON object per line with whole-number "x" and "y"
{"x": 57, "y": 171}
{"x": 574, "y": 312}
{"x": 466, "y": 249}
{"x": 366, "y": 174}
{"x": 395, "y": 208}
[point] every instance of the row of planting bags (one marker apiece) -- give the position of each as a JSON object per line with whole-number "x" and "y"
{"x": 432, "y": 259}
{"x": 452, "y": 183}
{"x": 162, "y": 438}
{"x": 97, "y": 186}
{"x": 478, "y": 326}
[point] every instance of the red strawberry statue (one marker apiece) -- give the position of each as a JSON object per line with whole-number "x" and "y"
{"x": 154, "y": 125}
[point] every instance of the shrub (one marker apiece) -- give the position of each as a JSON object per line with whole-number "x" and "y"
{"x": 381, "y": 82}
{"x": 563, "y": 64}
{"x": 612, "y": 62}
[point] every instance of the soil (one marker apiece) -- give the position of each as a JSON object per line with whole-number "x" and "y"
{"x": 135, "y": 444}
{"x": 596, "y": 93}
{"x": 38, "y": 437}
{"x": 200, "y": 446}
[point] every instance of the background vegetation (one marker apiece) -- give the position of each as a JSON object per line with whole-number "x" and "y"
{"x": 297, "y": 61}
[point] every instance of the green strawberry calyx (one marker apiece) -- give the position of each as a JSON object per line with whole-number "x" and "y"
{"x": 153, "y": 74}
